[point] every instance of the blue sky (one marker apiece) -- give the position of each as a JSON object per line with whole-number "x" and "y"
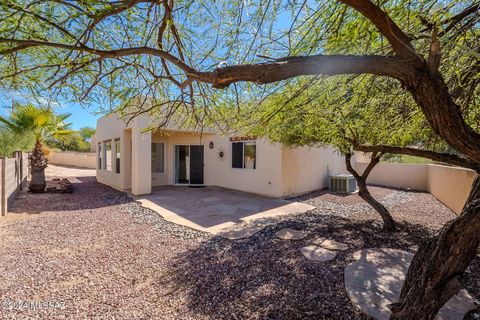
{"x": 82, "y": 116}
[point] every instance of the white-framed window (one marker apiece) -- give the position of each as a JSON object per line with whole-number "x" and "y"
{"x": 107, "y": 155}
{"x": 117, "y": 155}
{"x": 158, "y": 157}
{"x": 244, "y": 154}
{"x": 99, "y": 155}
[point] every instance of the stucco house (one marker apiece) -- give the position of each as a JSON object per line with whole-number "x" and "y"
{"x": 130, "y": 159}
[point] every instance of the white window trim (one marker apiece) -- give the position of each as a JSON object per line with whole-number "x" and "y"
{"x": 105, "y": 167}
{"x": 114, "y": 153}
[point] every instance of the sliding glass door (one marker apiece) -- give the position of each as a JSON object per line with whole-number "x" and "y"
{"x": 189, "y": 164}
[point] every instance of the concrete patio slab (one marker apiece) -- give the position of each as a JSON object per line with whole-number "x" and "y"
{"x": 375, "y": 280}
{"x": 227, "y": 213}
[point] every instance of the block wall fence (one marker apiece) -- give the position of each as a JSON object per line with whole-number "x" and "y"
{"x": 76, "y": 159}
{"x": 13, "y": 175}
{"x": 450, "y": 185}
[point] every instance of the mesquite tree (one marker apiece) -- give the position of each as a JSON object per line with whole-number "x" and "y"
{"x": 342, "y": 113}
{"x": 181, "y": 50}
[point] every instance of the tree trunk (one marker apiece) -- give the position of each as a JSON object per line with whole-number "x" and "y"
{"x": 432, "y": 278}
{"x": 38, "y": 163}
{"x": 388, "y": 222}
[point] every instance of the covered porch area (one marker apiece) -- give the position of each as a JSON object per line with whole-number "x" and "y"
{"x": 167, "y": 157}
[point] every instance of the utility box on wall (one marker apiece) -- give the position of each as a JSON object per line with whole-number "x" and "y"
{"x": 343, "y": 183}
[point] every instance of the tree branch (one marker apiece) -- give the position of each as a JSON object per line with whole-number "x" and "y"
{"x": 115, "y": 9}
{"x": 25, "y": 44}
{"x": 260, "y": 73}
{"x": 399, "y": 41}
{"x": 289, "y": 67}
{"x": 436, "y": 156}
{"x": 348, "y": 165}
{"x": 374, "y": 160}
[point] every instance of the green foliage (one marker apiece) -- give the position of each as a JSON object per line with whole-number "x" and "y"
{"x": 71, "y": 142}
{"x": 395, "y": 158}
{"x": 340, "y": 112}
{"x": 10, "y": 142}
{"x": 87, "y": 133}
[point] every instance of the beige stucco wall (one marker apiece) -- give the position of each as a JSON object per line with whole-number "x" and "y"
{"x": 265, "y": 179}
{"x": 450, "y": 185}
{"x": 306, "y": 169}
{"x": 399, "y": 175}
{"x": 134, "y": 154}
{"x": 77, "y": 159}
{"x": 279, "y": 171}
{"x": 108, "y": 129}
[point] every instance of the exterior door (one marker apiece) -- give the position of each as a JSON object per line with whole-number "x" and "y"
{"x": 189, "y": 164}
{"x": 196, "y": 164}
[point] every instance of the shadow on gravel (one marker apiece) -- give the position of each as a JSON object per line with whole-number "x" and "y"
{"x": 87, "y": 194}
{"x": 266, "y": 278}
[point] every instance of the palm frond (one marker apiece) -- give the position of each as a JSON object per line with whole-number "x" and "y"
{"x": 9, "y": 126}
{"x": 42, "y": 121}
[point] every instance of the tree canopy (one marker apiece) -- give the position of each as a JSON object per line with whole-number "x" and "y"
{"x": 115, "y": 52}
{"x": 10, "y": 142}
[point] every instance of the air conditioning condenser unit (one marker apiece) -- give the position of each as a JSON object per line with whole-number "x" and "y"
{"x": 343, "y": 183}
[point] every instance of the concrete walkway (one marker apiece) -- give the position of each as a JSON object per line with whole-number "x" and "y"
{"x": 228, "y": 213}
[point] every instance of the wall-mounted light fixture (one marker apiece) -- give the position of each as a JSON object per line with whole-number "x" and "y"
{"x": 210, "y": 145}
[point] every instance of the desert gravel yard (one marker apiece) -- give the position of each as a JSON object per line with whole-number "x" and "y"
{"x": 96, "y": 254}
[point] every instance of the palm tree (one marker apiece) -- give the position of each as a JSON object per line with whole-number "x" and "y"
{"x": 40, "y": 122}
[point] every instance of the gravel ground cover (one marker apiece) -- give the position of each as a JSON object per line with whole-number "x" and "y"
{"x": 404, "y": 205}
{"x": 105, "y": 257}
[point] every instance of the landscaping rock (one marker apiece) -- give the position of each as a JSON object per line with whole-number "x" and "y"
{"x": 290, "y": 234}
{"x": 59, "y": 186}
{"x": 375, "y": 280}
{"x": 318, "y": 254}
{"x": 344, "y": 208}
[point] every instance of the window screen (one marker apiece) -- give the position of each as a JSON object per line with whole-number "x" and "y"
{"x": 108, "y": 156}
{"x": 99, "y": 150}
{"x": 158, "y": 158}
{"x": 250, "y": 155}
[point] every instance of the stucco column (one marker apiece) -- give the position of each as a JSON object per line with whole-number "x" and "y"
{"x": 141, "y": 162}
